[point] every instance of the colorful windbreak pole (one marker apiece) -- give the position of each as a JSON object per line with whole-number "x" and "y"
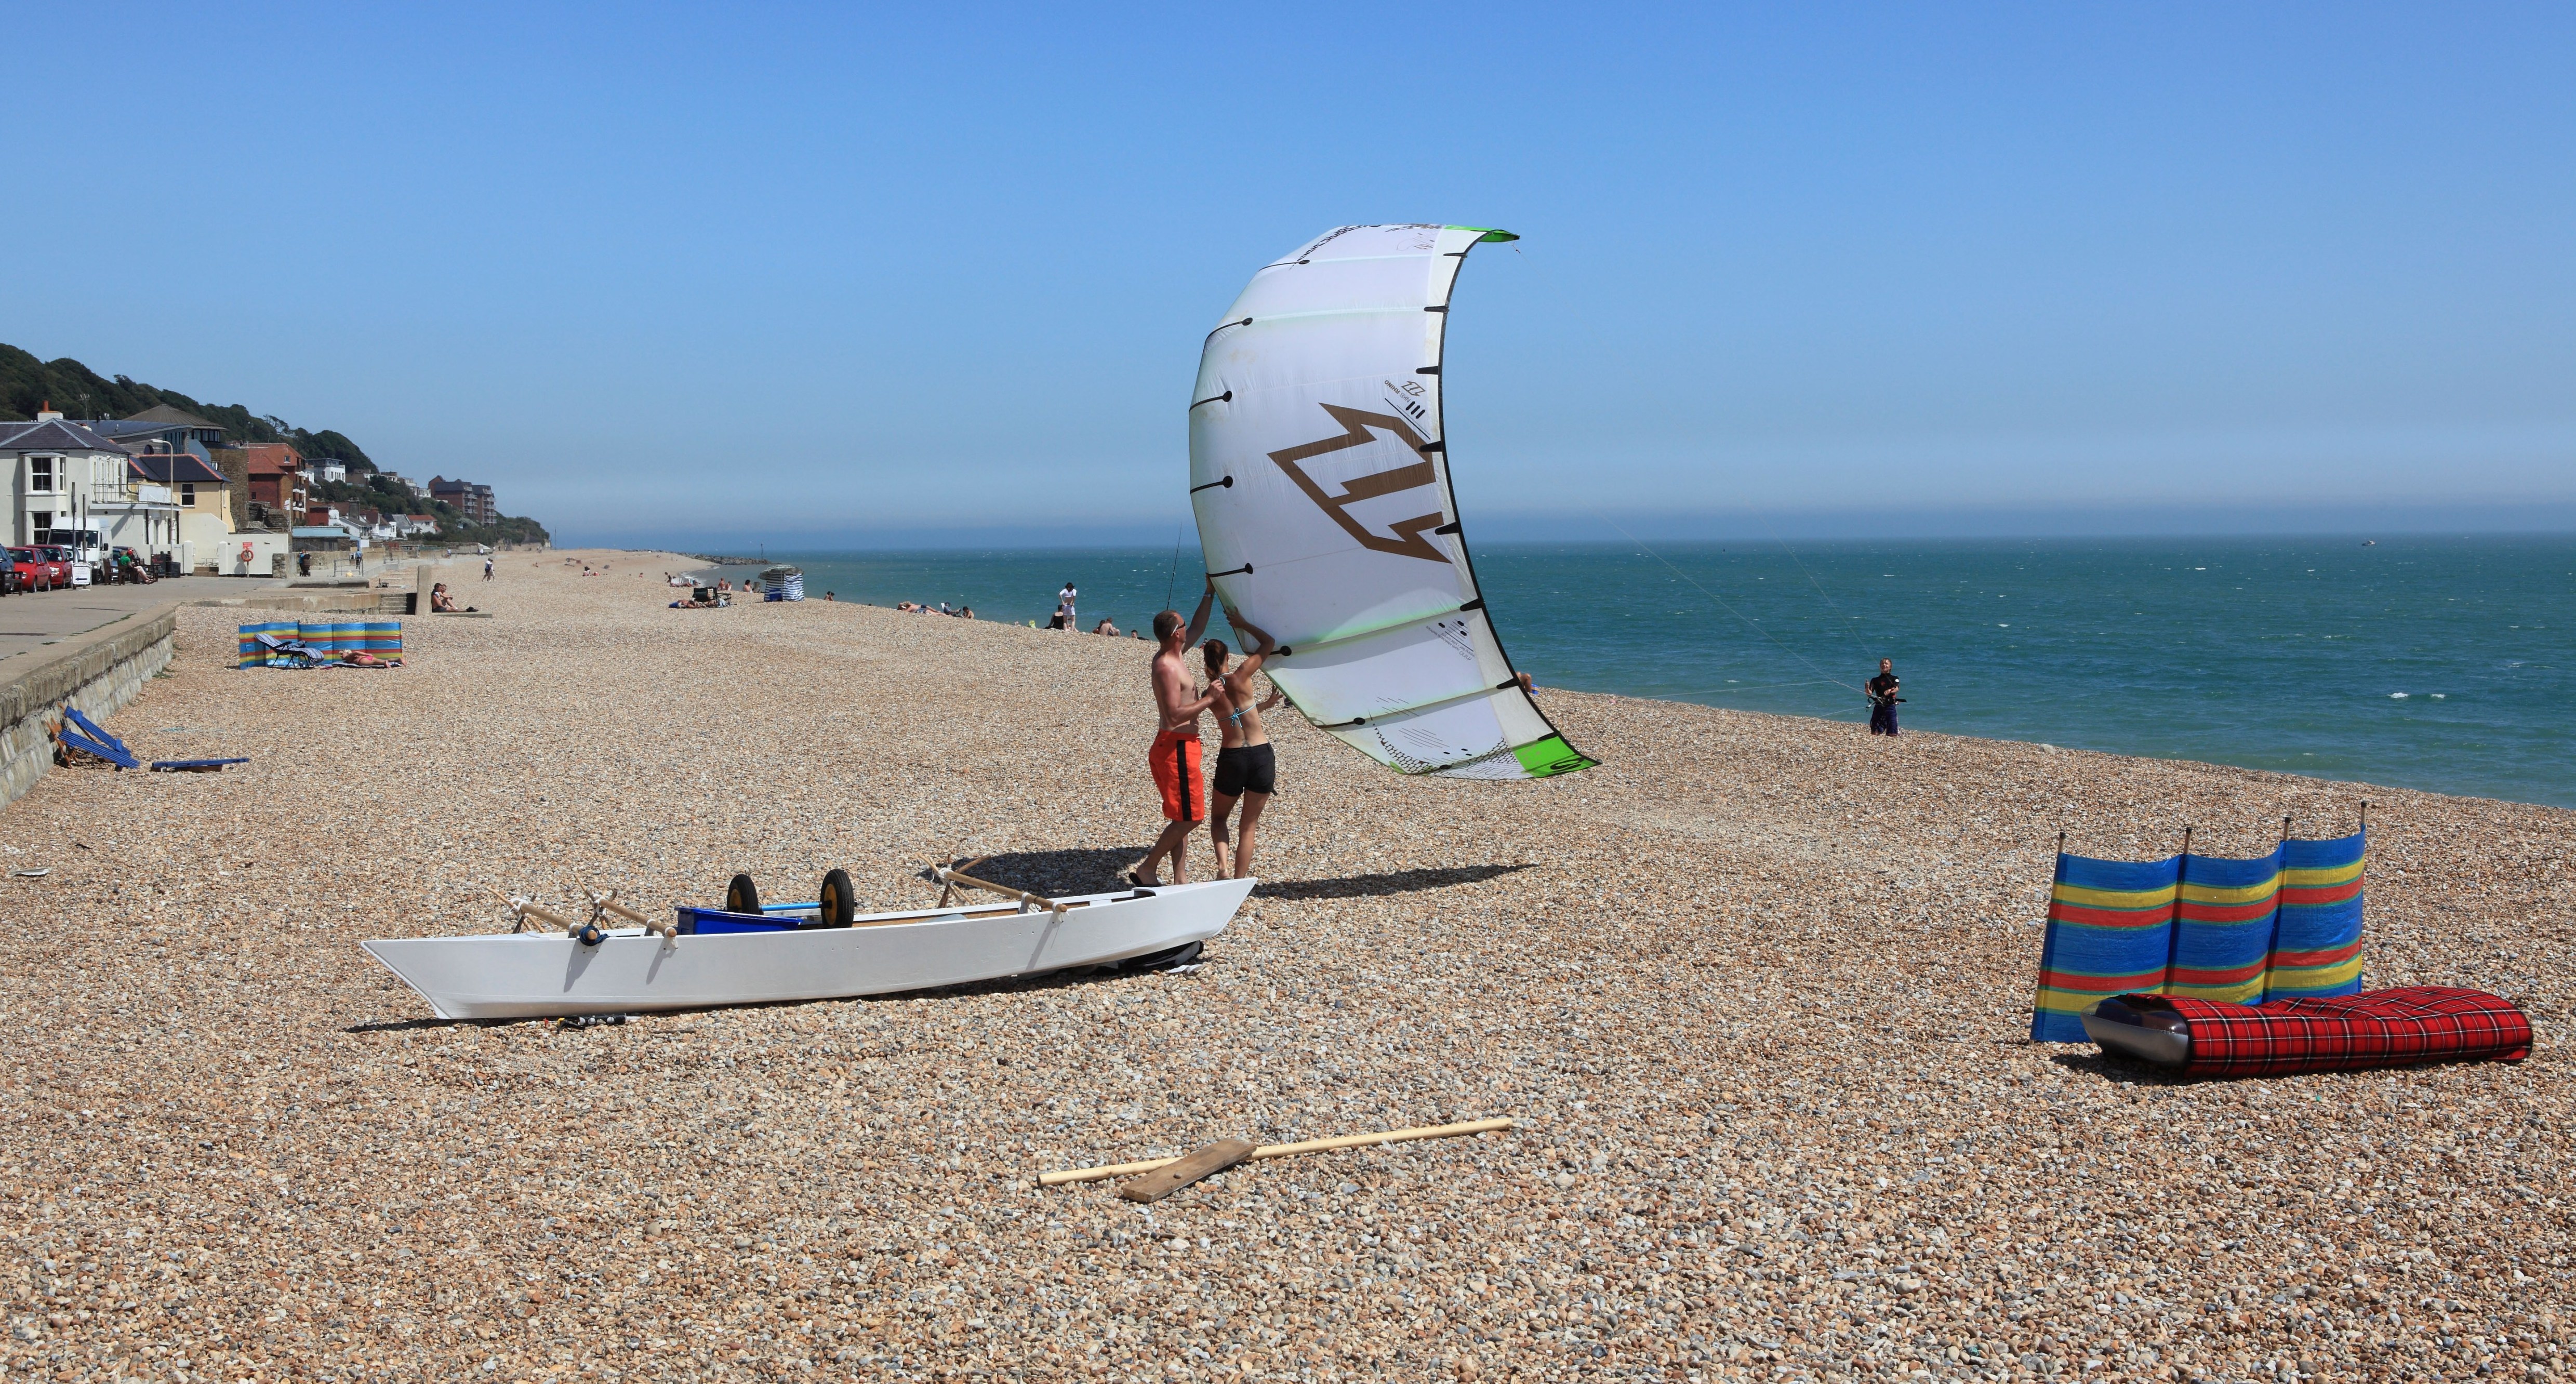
{"x": 2316, "y": 947}
{"x": 2110, "y": 932}
{"x": 2223, "y": 929}
{"x": 1319, "y": 473}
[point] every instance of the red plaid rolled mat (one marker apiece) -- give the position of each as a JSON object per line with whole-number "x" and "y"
{"x": 2382, "y": 1028}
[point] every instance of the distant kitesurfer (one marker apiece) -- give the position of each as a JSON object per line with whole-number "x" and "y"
{"x": 1246, "y": 768}
{"x": 1883, "y": 699}
{"x": 1175, "y": 756}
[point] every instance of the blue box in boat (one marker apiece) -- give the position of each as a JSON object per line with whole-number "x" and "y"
{"x": 708, "y": 922}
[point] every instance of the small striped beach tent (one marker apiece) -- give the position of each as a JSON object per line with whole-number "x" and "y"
{"x": 2223, "y": 929}
{"x": 2316, "y": 946}
{"x": 2110, "y": 932}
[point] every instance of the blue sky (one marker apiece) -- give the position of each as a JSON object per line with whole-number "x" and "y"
{"x": 823, "y": 275}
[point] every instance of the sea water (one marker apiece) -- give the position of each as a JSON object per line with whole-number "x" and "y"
{"x": 2436, "y": 663}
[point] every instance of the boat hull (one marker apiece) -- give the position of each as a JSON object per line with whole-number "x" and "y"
{"x": 531, "y": 975}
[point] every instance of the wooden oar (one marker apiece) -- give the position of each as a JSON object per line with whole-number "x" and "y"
{"x": 949, "y": 876}
{"x": 1346, "y": 1141}
{"x": 947, "y": 889}
{"x": 521, "y": 910}
{"x": 601, "y": 905}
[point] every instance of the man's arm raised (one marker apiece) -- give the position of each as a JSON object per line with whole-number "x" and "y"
{"x": 1199, "y": 618}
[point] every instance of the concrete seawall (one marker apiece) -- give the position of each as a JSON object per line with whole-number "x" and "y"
{"x": 98, "y": 672}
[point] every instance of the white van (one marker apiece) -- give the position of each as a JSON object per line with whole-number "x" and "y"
{"x": 88, "y": 551}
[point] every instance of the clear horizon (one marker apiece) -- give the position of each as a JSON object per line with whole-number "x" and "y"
{"x": 655, "y": 273}
{"x": 1619, "y": 530}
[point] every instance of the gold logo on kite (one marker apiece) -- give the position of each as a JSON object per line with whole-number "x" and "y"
{"x": 1408, "y": 540}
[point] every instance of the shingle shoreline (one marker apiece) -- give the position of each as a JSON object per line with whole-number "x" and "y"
{"x": 1757, "y": 988}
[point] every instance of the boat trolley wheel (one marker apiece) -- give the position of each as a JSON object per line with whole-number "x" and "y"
{"x": 741, "y": 896}
{"x": 839, "y": 900}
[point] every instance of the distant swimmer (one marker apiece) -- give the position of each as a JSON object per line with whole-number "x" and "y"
{"x": 1246, "y": 768}
{"x": 1175, "y": 757}
{"x": 1883, "y": 698}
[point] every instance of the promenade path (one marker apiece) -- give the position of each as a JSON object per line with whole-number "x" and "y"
{"x": 30, "y": 620}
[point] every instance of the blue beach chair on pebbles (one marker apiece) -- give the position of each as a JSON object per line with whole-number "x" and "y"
{"x": 80, "y": 734}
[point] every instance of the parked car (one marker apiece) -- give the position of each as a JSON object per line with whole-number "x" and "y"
{"x": 9, "y": 579}
{"x": 34, "y": 571}
{"x": 61, "y": 557}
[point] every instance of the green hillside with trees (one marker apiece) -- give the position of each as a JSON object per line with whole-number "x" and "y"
{"x": 76, "y": 391}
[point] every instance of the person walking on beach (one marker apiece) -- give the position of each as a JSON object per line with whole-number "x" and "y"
{"x": 1175, "y": 755}
{"x": 1883, "y": 699}
{"x": 1246, "y": 769}
{"x": 487, "y": 568}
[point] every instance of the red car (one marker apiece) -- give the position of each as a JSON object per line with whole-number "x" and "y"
{"x": 36, "y": 572}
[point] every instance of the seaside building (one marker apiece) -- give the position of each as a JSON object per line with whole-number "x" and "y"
{"x": 140, "y": 512}
{"x": 471, "y": 500}
{"x": 57, "y": 471}
{"x": 273, "y": 476}
{"x": 332, "y": 471}
{"x": 203, "y": 500}
{"x": 162, "y": 428}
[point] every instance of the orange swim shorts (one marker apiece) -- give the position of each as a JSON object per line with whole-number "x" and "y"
{"x": 1176, "y": 772}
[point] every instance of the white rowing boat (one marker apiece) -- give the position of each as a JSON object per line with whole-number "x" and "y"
{"x": 794, "y": 952}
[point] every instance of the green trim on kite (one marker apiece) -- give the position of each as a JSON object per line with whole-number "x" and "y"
{"x": 1549, "y": 757}
{"x": 1490, "y": 234}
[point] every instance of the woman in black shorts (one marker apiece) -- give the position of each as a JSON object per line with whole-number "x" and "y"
{"x": 1245, "y": 768}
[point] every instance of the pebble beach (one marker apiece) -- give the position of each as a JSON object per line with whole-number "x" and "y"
{"x": 1757, "y": 991}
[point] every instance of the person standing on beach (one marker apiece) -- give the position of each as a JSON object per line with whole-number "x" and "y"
{"x": 1883, "y": 699}
{"x": 1064, "y": 600}
{"x": 1246, "y": 768}
{"x": 487, "y": 569}
{"x": 1175, "y": 755}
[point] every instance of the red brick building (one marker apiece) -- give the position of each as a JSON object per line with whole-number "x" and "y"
{"x": 276, "y": 477}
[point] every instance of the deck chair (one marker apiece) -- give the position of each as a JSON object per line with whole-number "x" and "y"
{"x": 81, "y": 733}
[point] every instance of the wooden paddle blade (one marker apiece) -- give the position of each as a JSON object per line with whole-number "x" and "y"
{"x": 1181, "y": 1172}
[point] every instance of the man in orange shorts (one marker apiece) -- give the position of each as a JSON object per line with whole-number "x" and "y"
{"x": 1175, "y": 756}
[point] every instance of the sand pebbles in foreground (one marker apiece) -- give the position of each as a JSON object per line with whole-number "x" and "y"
{"x": 1756, "y": 990}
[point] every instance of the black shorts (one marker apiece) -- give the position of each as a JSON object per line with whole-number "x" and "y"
{"x": 1242, "y": 769}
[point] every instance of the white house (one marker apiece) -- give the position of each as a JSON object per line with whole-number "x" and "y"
{"x": 330, "y": 470}
{"x": 58, "y": 474}
{"x": 143, "y": 515}
{"x": 204, "y": 503}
